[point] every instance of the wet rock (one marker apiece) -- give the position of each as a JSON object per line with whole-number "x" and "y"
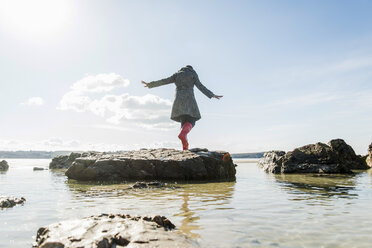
{"x": 65, "y": 161}
{"x": 38, "y": 168}
{"x": 154, "y": 164}
{"x": 9, "y": 202}
{"x": 4, "y": 165}
{"x": 109, "y": 230}
{"x": 336, "y": 157}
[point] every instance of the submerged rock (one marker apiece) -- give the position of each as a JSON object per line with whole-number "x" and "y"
{"x": 9, "y": 202}
{"x": 112, "y": 231}
{"x": 336, "y": 157}
{"x": 143, "y": 185}
{"x": 65, "y": 161}
{"x": 39, "y": 168}
{"x": 154, "y": 164}
{"x": 4, "y": 165}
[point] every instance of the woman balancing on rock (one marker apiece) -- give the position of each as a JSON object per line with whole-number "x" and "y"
{"x": 184, "y": 109}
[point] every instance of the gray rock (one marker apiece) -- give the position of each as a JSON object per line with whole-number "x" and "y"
{"x": 65, "y": 161}
{"x": 154, "y": 164}
{"x": 9, "y": 202}
{"x": 336, "y": 157}
{"x": 4, "y": 165}
{"x": 112, "y": 231}
{"x": 39, "y": 168}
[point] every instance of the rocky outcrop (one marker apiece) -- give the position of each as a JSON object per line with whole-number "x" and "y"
{"x": 65, "y": 161}
{"x": 112, "y": 231}
{"x": 154, "y": 164}
{"x": 9, "y": 202}
{"x": 347, "y": 156}
{"x": 336, "y": 157}
{"x": 4, "y": 165}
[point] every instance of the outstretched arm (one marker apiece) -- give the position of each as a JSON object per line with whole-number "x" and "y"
{"x": 159, "y": 82}
{"x": 204, "y": 89}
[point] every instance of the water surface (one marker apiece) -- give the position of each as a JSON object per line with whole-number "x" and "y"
{"x": 258, "y": 210}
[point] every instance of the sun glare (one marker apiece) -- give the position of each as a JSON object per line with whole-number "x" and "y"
{"x": 34, "y": 18}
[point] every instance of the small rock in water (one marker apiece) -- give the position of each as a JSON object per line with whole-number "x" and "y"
{"x": 112, "y": 230}
{"x": 4, "y": 165}
{"x": 141, "y": 185}
{"x": 9, "y": 202}
{"x": 38, "y": 168}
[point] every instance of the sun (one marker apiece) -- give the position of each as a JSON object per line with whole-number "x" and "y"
{"x": 34, "y": 18}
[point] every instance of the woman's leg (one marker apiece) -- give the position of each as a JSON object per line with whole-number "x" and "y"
{"x": 186, "y": 128}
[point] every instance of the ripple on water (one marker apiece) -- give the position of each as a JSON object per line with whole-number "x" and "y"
{"x": 258, "y": 210}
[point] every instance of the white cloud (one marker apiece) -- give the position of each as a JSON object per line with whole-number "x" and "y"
{"x": 74, "y": 100}
{"x": 148, "y": 111}
{"x": 33, "y": 101}
{"x": 103, "y": 82}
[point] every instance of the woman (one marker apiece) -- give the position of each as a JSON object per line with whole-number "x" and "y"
{"x": 184, "y": 109}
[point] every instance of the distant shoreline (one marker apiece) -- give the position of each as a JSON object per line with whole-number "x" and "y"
{"x": 52, "y": 154}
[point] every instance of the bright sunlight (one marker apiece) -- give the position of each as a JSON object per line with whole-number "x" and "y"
{"x": 34, "y": 19}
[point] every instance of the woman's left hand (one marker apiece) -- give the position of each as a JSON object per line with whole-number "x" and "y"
{"x": 146, "y": 84}
{"x": 217, "y": 97}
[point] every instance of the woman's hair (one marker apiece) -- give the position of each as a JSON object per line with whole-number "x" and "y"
{"x": 189, "y": 66}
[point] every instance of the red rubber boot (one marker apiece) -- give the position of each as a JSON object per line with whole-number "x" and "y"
{"x": 186, "y": 128}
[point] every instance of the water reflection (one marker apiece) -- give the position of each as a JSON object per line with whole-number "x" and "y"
{"x": 191, "y": 200}
{"x": 318, "y": 187}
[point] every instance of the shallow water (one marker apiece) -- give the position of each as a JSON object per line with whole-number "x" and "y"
{"x": 258, "y": 210}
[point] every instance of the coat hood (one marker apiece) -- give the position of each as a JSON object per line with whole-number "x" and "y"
{"x": 187, "y": 68}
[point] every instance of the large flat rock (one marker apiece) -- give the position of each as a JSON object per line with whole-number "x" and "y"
{"x": 334, "y": 157}
{"x": 107, "y": 231}
{"x": 155, "y": 164}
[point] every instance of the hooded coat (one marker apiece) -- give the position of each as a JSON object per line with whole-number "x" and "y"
{"x": 184, "y": 100}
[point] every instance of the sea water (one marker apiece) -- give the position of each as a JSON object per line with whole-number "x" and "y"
{"x": 258, "y": 210}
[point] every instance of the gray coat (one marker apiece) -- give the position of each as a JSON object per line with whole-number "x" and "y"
{"x": 184, "y": 101}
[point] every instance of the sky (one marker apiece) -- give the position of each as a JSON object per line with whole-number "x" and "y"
{"x": 291, "y": 73}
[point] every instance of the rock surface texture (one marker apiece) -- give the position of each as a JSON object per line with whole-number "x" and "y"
{"x": 65, "y": 161}
{"x": 334, "y": 157}
{"x": 4, "y": 165}
{"x": 9, "y": 202}
{"x": 112, "y": 231}
{"x": 154, "y": 164}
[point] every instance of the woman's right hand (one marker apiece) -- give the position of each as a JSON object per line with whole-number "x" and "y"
{"x": 217, "y": 97}
{"x": 146, "y": 84}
